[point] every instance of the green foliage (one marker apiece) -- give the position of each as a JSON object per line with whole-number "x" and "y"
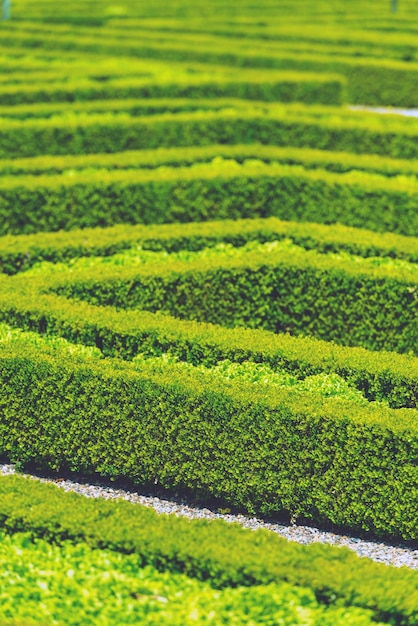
{"x": 281, "y": 289}
{"x": 21, "y": 252}
{"x": 386, "y": 377}
{"x": 257, "y": 422}
{"x": 208, "y": 192}
{"x": 378, "y": 80}
{"x": 135, "y": 107}
{"x": 339, "y": 162}
{"x": 370, "y": 81}
{"x": 303, "y": 127}
{"x": 327, "y": 385}
{"x": 138, "y": 256}
{"x": 297, "y": 453}
{"x": 383, "y": 376}
{"x": 225, "y": 555}
{"x": 51, "y": 344}
{"x": 76, "y": 584}
{"x": 281, "y": 86}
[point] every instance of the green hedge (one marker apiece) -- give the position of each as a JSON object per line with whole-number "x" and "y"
{"x": 379, "y": 376}
{"x": 329, "y": 461}
{"x": 326, "y": 131}
{"x": 186, "y": 14}
{"x": 93, "y": 69}
{"x": 370, "y": 80}
{"x": 222, "y": 553}
{"x": 337, "y": 35}
{"x": 298, "y": 292}
{"x": 207, "y": 192}
{"x": 47, "y": 591}
{"x": 278, "y": 36}
{"x": 275, "y": 39}
{"x": 339, "y": 162}
{"x": 135, "y": 107}
{"x": 281, "y": 86}
{"x": 20, "y": 252}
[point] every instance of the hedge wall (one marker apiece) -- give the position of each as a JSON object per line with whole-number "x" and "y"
{"x": 370, "y": 80}
{"x": 278, "y": 86}
{"x": 132, "y": 106}
{"x": 298, "y": 292}
{"x": 207, "y": 192}
{"x": 20, "y": 252}
{"x": 328, "y": 130}
{"x": 339, "y": 162}
{"x": 380, "y": 376}
{"x": 223, "y": 553}
{"x": 312, "y": 458}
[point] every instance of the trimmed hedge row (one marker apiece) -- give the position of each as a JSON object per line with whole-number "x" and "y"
{"x": 222, "y": 553}
{"x": 370, "y": 80}
{"x": 135, "y": 107}
{"x": 298, "y": 292}
{"x": 379, "y": 376}
{"x": 207, "y": 192}
{"x": 165, "y": 598}
{"x": 318, "y": 459}
{"x": 339, "y": 162}
{"x": 20, "y": 252}
{"x": 184, "y": 15}
{"x": 300, "y": 37}
{"x": 332, "y": 34}
{"x": 298, "y": 31}
{"x": 97, "y": 70}
{"x": 274, "y": 37}
{"x": 296, "y": 127}
{"x": 282, "y": 86}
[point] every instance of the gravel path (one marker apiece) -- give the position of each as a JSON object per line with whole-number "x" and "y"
{"x": 386, "y": 110}
{"x": 395, "y": 554}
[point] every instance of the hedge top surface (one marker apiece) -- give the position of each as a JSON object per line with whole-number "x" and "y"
{"x": 223, "y": 553}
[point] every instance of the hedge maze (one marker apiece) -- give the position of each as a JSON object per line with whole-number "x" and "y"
{"x": 209, "y": 286}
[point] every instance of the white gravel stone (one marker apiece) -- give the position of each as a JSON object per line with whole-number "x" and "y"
{"x": 390, "y": 554}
